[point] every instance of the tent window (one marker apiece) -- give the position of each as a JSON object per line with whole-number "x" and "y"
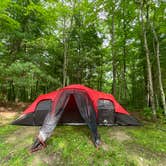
{"x": 41, "y": 111}
{"x": 105, "y": 104}
{"x": 44, "y": 105}
{"x": 105, "y": 111}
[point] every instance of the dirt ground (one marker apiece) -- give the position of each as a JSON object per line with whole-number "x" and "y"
{"x": 13, "y": 107}
{"x": 9, "y": 111}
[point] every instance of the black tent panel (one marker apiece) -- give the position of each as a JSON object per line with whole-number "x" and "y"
{"x": 35, "y": 118}
{"x": 88, "y": 113}
{"x": 124, "y": 119}
{"x": 25, "y": 120}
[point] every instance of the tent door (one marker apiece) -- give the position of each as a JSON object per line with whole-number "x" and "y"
{"x": 85, "y": 108}
{"x": 71, "y": 114}
{"x": 106, "y": 111}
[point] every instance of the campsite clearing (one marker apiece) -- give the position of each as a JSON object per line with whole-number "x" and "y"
{"x": 70, "y": 145}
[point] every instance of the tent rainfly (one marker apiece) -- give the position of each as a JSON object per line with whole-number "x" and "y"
{"x": 75, "y": 105}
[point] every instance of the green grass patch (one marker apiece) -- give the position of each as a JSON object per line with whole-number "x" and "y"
{"x": 11, "y": 152}
{"x": 151, "y": 137}
{"x": 7, "y": 129}
{"x": 72, "y": 145}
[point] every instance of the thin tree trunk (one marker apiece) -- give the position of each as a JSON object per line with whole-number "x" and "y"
{"x": 66, "y": 36}
{"x": 113, "y": 55}
{"x": 65, "y": 64}
{"x": 159, "y": 68}
{"x": 124, "y": 51}
{"x": 157, "y": 101}
{"x": 119, "y": 91}
{"x": 150, "y": 80}
{"x": 64, "y": 54}
{"x": 148, "y": 93}
{"x": 100, "y": 75}
{"x": 36, "y": 88}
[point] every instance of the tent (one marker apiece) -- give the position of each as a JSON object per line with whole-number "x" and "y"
{"x": 75, "y": 104}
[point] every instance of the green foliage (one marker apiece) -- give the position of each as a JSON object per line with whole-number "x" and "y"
{"x": 161, "y": 117}
{"x": 147, "y": 113}
{"x": 25, "y": 76}
{"x": 8, "y": 23}
{"x": 35, "y": 34}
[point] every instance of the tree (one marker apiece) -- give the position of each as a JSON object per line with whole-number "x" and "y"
{"x": 150, "y": 80}
{"x": 159, "y": 68}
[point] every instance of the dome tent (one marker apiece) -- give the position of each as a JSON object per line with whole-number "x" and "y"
{"x": 75, "y": 104}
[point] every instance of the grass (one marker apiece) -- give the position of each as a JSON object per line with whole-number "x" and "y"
{"x": 77, "y": 149}
{"x": 71, "y": 145}
{"x": 150, "y": 137}
{"x": 10, "y": 151}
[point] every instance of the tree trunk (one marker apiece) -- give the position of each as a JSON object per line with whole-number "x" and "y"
{"x": 64, "y": 54}
{"x": 113, "y": 54}
{"x": 159, "y": 68}
{"x": 150, "y": 80}
{"x": 36, "y": 88}
{"x": 66, "y": 36}
{"x": 100, "y": 75}
{"x": 65, "y": 64}
{"x": 124, "y": 51}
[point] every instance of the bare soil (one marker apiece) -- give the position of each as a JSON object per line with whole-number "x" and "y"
{"x": 9, "y": 111}
{"x": 119, "y": 135}
{"x": 13, "y": 107}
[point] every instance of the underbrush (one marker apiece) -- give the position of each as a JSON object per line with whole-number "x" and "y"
{"x": 147, "y": 114}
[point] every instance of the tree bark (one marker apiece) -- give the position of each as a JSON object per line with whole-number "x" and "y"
{"x": 113, "y": 53}
{"x": 66, "y": 36}
{"x": 100, "y": 74}
{"x": 124, "y": 51}
{"x": 159, "y": 68}
{"x": 150, "y": 80}
{"x": 65, "y": 65}
{"x": 64, "y": 54}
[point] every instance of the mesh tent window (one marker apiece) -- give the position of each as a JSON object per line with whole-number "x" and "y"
{"x": 106, "y": 112}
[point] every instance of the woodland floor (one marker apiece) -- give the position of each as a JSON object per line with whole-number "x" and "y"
{"x": 71, "y": 145}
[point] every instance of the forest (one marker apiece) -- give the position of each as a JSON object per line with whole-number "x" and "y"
{"x": 113, "y": 46}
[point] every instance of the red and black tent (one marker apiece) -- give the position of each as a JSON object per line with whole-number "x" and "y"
{"x": 105, "y": 107}
{"x": 75, "y": 104}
